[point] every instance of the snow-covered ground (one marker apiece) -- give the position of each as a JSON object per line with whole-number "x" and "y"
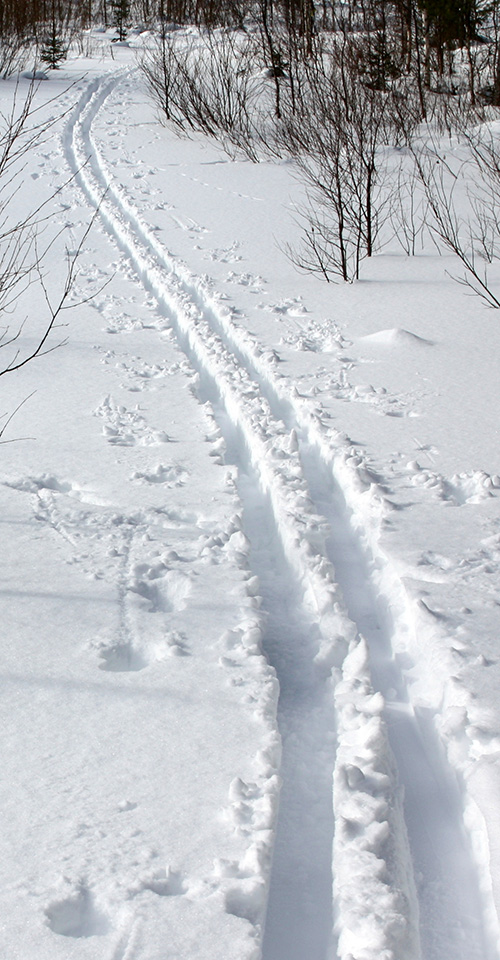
{"x": 249, "y": 576}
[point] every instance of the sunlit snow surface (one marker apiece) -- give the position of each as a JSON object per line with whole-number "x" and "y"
{"x": 249, "y": 572}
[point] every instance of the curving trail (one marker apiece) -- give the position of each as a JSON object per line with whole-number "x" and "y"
{"x": 370, "y": 846}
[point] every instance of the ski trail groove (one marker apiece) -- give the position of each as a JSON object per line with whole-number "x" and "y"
{"x": 263, "y": 443}
{"x": 279, "y": 446}
{"x": 299, "y": 914}
{"x": 447, "y": 878}
{"x": 316, "y": 453}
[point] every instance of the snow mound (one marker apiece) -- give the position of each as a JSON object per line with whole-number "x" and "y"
{"x": 35, "y": 75}
{"x": 396, "y": 336}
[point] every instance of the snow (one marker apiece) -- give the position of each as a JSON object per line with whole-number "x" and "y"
{"x": 249, "y": 571}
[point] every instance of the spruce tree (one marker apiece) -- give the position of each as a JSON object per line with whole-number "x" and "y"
{"x": 53, "y": 50}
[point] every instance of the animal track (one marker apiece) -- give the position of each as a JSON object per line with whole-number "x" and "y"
{"x": 226, "y": 254}
{"x": 171, "y": 476}
{"x": 48, "y": 483}
{"x": 77, "y": 915}
{"x": 165, "y": 590}
{"x": 120, "y": 657}
{"x": 463, "y": 488}
{"x": 166, "y": 883}
{"x": 126, "y": 428}
{"x": 290, "y": 307}
{"x": 255, "y": 283}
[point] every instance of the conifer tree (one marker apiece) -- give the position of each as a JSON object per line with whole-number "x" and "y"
{"x": 53, "y": 50}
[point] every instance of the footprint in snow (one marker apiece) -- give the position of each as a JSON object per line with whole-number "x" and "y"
{"x": 165, "y": 883}
{"x": 51, "y": 484}
{"x": 290, "y": 307}
{"x": 122, "y": 427}
{"x": 77, "y": 915}
{"x": 172, "y": 475}
{"x": 165, "y": 590}
{"x": 121, "y": 658}
{"x": 225, "y": 254}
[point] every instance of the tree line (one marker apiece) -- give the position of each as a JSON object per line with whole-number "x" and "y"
{"x": 400, "y": 35}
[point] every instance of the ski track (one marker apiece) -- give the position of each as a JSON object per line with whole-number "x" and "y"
{"x": 321, "y": 602}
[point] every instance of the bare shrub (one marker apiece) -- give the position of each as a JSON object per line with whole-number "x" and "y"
{"x": 473, "y": 235}
{"x": 409, "y": 208}
{"x": 335, "y": 136}
{"x": 14, "y": 53}
{"x": 25, "y": 243}
{"x": 208, "y": 85}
